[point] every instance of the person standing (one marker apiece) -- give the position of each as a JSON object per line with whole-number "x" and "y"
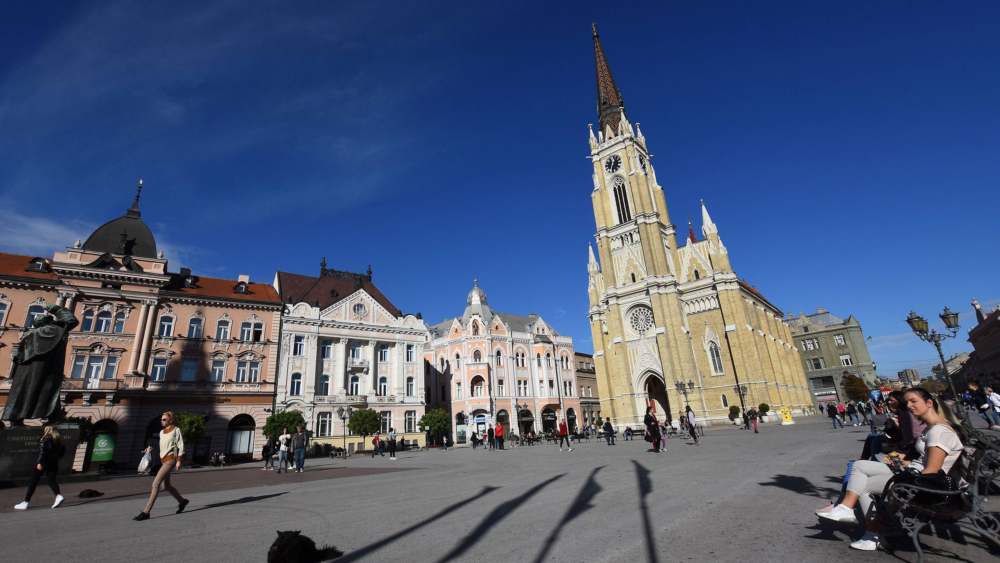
{"x": 392, "y": 444}
{"x": 652, "y": 429}
{"x": 377, "y": 445}
{"x": 994, "y": 398}
{"x": 982, "y": 403}
{"x": 831, "y": 411}
{"x": 299, "y": 442}
{"x": 564, "y": 436}
{"x": 50, "y": 450}
{"x": 753, "y": 415}
{"x": 491, "y": 434}
{"x": 842, "y": 413}
{"x": 609, "y": 432}
{"x": 284, "y": 440}
{"x": 499, "y": 435}
{"x": 852, "y": 413}
{"x": 267, "y": 452}
{"x": 171, "y": 454}
{"x": 692, "y": 422}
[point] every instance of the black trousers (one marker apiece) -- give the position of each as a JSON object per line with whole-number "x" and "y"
{"x": 566, "y": 439}
{"x": 50, "y": 474}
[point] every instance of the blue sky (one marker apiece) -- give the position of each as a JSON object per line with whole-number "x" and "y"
{"x": 848, "y": 154}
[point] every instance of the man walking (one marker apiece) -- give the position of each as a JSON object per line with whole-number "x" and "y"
{"x": 609, "y": 432}
{"x": 831, "y": 411}
{"x": 982, "y": 403}
{"x": 299, "y": 441}
{"x": 564, "y": 435}
{"x": 752, "y": 416}
{"x": 377, "y": 445}
{"x": 692, "y": 421}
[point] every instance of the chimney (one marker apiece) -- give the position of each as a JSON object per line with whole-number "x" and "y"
{"x": 243, "y": 278}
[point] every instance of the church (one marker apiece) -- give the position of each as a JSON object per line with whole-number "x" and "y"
{"x": 672, "y": 325}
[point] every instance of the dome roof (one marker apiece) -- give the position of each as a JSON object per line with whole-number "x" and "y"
{"x": 476, "y": 296}
{"x": 127, "y": 234}
{"x": 476, "y": 304}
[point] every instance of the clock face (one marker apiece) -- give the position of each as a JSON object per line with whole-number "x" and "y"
{"x": 613, "y": 164}
{"x": 642, "y": 162}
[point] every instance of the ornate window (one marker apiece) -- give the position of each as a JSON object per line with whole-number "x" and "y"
{"x": 499, "y": 358}
{"x": 3, "y": 313}
{"x": 326, "y": 350}
{"x": 158, "y": 373}
{"x": 324, "y": 385}
{"x": 522, "y": 388}
{"x": 641, "y": 320}
{"x": 298, "y": 345}
{"x": 538, "y": 360}
{"x": 477, "y": 356}
{"x": 246, "y": 331}
{"x": 88, "y": 321}
{"x": 715, "y": 356}
{"x": 477, "y": 387}
{"x": 409, "y": 387}
{"x": 411, "y": 353}
{"x": 218, "y": 370}
{"x": 548, "y": 360}
{"x": 119, "y": 326}
{"x": 34, "y": 312}
{"x": 295, "y": 389}
{"x": 222, "y": 330}
{"x": 103, "y": 323}
{"x": 247, "y": 371}
{"x": 620, "y": 191}
{"x": 383, "y": 387}
{"x": 458, "y": 391}
{"x": 458, "y": 361}
{"x": 324, "y": 424}
{"x": 475, "y": 328}
{"x": 500, "y": 388}
{"x": 410, "y": 424}
{"x": 355, "y": 387}
{"x": 195, "y": 327}
{"x": 166, "y": 327}
{"x": 386, "y": 419}
{"x": 94, "y": 365}
{"x": 725, "y": 401}
{"x": 383, "y": 353}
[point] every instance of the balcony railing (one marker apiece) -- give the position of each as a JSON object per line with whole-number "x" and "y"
{"x": 91, "y": 385}
{"x": 357, "y": 364}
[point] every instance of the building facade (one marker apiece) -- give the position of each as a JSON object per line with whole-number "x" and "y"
{"x": 909, "y": 377}
{"x": 485, "y": 366}
{"x": 663, "y": 314}
{"x": 831, "y": 347}
{"x": 586, "y": 388}
{"x": 345, "y": 345}
{"x": 149, "y": 339}
{"x": 983, "y": 364}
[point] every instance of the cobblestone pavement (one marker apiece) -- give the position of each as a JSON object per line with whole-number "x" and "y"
{"x": 737, "y": 497}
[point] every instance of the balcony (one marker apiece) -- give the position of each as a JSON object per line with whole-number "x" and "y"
{"x": 91, "y": 385}
{"x": 357, "y": 364}
{"x": 382, "y": 399}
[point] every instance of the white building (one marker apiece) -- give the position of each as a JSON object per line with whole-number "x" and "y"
{"x": 344, "y": 344}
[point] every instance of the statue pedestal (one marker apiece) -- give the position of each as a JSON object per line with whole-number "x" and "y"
{"x": 19, "y": 450}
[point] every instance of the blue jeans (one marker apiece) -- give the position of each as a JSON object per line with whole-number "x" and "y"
{"x": 300, "y": 458}
{"x": 836, "y": 421}
{"x": 990, "y": 414}
{"x": 282, "y": 460}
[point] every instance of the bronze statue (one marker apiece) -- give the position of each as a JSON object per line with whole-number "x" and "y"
{"x": 38, "y": 367}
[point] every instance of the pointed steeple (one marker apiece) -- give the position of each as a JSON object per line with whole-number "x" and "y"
{"x": 691, "y": 236}
{"x": 610, "y": 105}
{"x": 707, "y": 226}
{"x": 134, "y": 210}
{"x": 592, "y": 266}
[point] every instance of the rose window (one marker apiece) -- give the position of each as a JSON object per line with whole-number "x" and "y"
{"x": 641, "y": 319}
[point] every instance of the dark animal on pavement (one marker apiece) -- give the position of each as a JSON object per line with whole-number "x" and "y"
{"x": 293, "y": 547}
{"x": 90, "y": 493}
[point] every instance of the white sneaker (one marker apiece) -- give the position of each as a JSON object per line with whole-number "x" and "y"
{"x": 826, "y": 509}
{"x": 23, "y": 505}
{"x": 840, "y": 513}
{"x": 59, "y": 500}
{"x": 868, "y": 542}
{"x": 560, "y": 449}
{"x": 571, "y": 449}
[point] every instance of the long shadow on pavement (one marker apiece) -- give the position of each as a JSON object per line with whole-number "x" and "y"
{"x": 493, "y": 518}
{"x": 375, "y": 546}
{"x": 242, "y": 500}
{"x": 645, "y": 487}
{"x": 801, "y": 485}
{"x": 580, "y": 505}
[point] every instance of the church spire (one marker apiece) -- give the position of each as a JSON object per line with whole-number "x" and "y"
{"x": 610, "y": 105}
{"x": 708, "y": 227}
{"x": 134, "y": 210}
{"x": 592, "y": 266}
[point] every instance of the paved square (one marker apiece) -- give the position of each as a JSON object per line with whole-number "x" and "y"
{"x": 738, "y": 497}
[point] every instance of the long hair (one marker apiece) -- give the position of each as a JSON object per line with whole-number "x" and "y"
{"x": 941, "y": 408}
{"x": 52, "y": 432}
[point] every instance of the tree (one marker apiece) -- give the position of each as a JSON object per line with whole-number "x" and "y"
{"x": 192, "y": 427}
{"x": 854, "y": 387}
{"x": 279, "y": 421}
{"x": 763, "y": 409}
{"x": 364, "y": 422}
{"x": 436, "y": 421}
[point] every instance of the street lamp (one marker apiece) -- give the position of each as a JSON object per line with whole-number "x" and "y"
{"x": 345, "y": 415}
{"x": 685, "y": 389}
{"x": 741, "y": 390}
{"x": 919, "y": 327}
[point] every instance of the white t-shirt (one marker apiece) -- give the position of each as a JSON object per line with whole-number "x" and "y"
{"x": 283, "y": 440}
{"x": 941, "y": 436}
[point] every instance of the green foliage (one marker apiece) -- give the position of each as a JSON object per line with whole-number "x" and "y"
{"x": 764, "y": 408}
{"x": 436, "y": 421}
{"x": 279, "y": 421}
{"x": 192, "y": 426}
{"x": 855, "y": 387}
{"x": 364, "y": 422}
{"x": 734, "y": 412}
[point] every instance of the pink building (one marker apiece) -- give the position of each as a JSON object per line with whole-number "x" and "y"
{"x": 486, "y": 365}
{"x": 149, "y": 340}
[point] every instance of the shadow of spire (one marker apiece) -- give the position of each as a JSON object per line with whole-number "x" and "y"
{"x": 493, "y": 518}
{"x": 375, "y": 546}
{"x": 580, "y": 505}
{"x": 645, "y": 487}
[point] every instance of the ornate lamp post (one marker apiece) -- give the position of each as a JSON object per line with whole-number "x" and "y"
{"x": 685, "y": 389}
{"x": 919, "y": 326}
{"x": 345, "y": 415}
{"x": 741, "y": 390}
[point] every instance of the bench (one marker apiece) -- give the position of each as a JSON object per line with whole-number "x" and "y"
{"x": 913, "y": 507}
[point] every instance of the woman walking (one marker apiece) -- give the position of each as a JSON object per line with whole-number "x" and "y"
{"x": 50, "y": 449}
{"x": 652, "y": 429}
{"x": 171, "y": 454}
{"x": 692, "y": 421}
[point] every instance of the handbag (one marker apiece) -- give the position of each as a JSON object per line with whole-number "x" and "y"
{"x": 144, "y": 462}
{"x": 939, "y": 480}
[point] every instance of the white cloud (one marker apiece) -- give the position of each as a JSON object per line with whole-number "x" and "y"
{"x": 38, "y": 236}
{"x": 889, "y": 341}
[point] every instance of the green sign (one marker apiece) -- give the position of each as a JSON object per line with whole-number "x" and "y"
{"x": 104, "y": 448}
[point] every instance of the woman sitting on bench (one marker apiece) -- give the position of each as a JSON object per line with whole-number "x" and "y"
{"x": 939, "y": 447}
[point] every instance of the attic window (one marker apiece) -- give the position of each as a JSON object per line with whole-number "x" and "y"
{"x": 37, "y": 265}
{"x": 241, "y": 287}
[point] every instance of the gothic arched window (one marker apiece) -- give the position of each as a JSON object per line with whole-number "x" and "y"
{"x": 716, "y": 357}
{"x": 620, "y": 191}
{"x": 477, "y": 356}
{"x": 475, "y": 328}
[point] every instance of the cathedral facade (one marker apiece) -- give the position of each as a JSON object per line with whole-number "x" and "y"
{"x": 672, "y": 325}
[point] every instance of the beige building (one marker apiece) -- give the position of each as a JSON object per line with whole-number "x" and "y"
{"x": 586, "y": 385}
{"x": 663, "y": 314}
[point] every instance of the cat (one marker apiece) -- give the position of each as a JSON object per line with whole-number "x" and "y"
{"x": 293, "y": 547}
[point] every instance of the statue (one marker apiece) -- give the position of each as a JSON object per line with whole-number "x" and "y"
{"x": 38, "y": 367}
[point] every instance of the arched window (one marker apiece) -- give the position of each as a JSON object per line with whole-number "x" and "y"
{"x": 88, "y": 321}
{"x": 296, "y": 387}
{"x": 355, "y": 387}
{"x": 716, "y": 357}
{"x": 119, "y": 323}
{"x": 441, "y": 361}
{"x": 548, "y": 360}
{"x": 477, "y": 387}
{"x": 475, "y": 328}
{"x": 725, "y": 401}
{"x": 499, "y": 358}
{"x": 324, "y": 385}
{"x": 477, "y": 356}
{"x": 195, "y": 326}
{"x": 621, "y": 200}
{"x": 166, "y": 327}
{"x": 458, "y": 361}
{"x": 222, "y": 330}
{"x": 538, "y": 359}
{"x": 103, "y": 323}
{"x": 409, "y": 387}
{"x": 697, "y": 275}
{"x": 383, "y": 387}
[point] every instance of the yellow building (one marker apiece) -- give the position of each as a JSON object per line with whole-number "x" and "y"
{"x": 662, "y": 314}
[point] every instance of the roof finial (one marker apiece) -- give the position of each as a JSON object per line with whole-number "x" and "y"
{"x": 322, "y": 266}
{"x": 593, "y": 27}
{"x": 134, "y": 210}
{"x": 475, "y": 281}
